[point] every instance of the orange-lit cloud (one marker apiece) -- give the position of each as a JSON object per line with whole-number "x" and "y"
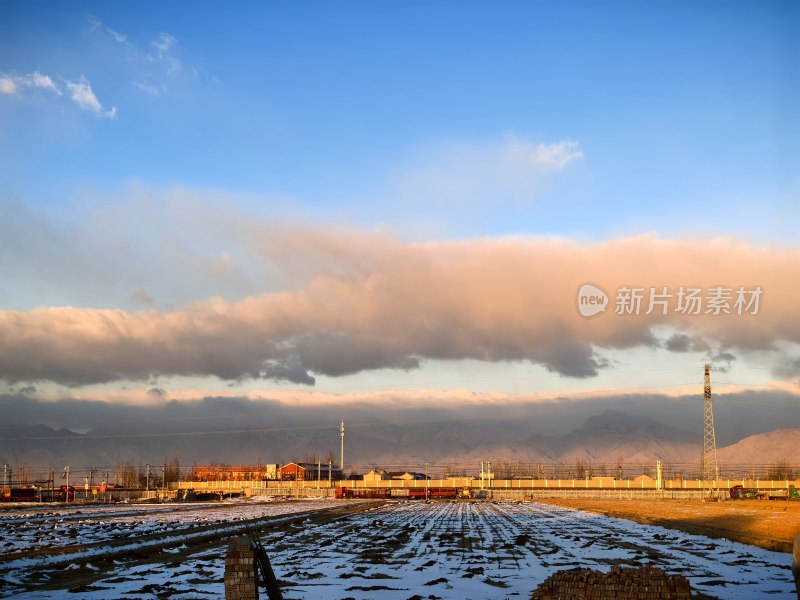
{"x": 370, "y": 301}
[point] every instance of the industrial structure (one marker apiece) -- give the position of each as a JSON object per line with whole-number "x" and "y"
{"x": 709, "y": 467}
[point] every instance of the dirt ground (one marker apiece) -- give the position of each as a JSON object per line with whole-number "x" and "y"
{"x": 772, "y": 524}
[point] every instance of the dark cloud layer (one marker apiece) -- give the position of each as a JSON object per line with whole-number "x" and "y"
{"x": 188, "y": 423}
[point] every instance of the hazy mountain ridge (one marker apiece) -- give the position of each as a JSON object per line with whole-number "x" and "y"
{"x": 605, "y": 438}
{"x": 764, "y": 448}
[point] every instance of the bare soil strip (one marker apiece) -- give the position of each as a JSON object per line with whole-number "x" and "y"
{"x": 771, "y": 525}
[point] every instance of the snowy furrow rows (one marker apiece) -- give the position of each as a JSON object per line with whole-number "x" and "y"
{"x": 56, "y": 530}
{"x": 472, "y": 550}
{"x": 82, "y": 512}
{"x": 503, "y": 550}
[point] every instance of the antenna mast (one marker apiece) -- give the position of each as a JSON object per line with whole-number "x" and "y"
{"x": 709, "y": 466}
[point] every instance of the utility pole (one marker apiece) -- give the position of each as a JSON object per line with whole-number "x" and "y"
{"x": 146, "y": 478}
{"x": 164, "y": 477}
{"x": 65, "y": 475}
{"x": 427, "y": 484}
{"x": 330, "y": 475}
{"x": 709, "y": 465}
{"x": 341, "y": 462}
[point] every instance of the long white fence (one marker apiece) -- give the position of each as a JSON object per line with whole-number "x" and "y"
{"x": 531, "y": 487}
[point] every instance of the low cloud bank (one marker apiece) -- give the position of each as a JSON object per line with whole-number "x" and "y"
{"x": 374, "y": 302}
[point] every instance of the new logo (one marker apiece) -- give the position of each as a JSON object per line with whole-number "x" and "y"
{"x": 591, "y": 300}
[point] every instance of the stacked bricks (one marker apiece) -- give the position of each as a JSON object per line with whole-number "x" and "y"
{"x": 241, "y": 577}
{"x": 647, "y": 583}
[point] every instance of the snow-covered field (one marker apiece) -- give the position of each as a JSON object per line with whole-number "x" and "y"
{"x": 82, "y": 525}
{"x": 400, "y": 550}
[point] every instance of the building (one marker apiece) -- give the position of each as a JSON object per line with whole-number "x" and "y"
{"x": 260, "y": 472}
{"x": 406, "y": 475}
{"x": 309, "y": 472}
{"x": 375, "y": 475}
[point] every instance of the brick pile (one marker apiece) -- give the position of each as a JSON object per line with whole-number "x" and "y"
{"x": 241, "y": 576}
{"x": 646, "y": 583}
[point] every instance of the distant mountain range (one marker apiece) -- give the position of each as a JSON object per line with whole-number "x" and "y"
{"x": 608, "y": 438}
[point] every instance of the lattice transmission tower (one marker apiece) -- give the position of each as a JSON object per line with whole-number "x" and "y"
{"x": 710, "y": 468}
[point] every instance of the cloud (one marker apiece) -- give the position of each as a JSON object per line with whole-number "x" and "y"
{"x": 162, "y": 47}
{"x": 366, "y": 301}
{"x": 151, "y": 89}
{"x": 118, "y": 37}
{"x": 80, "y": 91}
{"x": 7, "y": 85}
{"x": 557, "y": 155}
{"x": 44, "y": 82}
{"x": 512, "y": 168}
{"x": 142, "y": 297}
{"x": 92, "y": 24}
{"x": 157, "y": 393}
{"x": 163, "y": 43}
{"x": 722, "y": 361}
{"x": 789, "y": 369}
{"x": 680, "y": 342}
{"x": 16, "y": 84}
{"x": 285, "y": 370}
{"x": 147, "y": 62}
{"x": 83, "y": 96}
{"x": 741, "y": 412}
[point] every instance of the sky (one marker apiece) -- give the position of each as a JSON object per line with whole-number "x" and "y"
{"x": 398, "y": 202}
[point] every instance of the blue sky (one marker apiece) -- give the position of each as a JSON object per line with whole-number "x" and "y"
{"x": 676, "y": 108}
{"x": 137, "y": 141}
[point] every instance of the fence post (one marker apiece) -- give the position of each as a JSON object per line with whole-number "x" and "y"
{"x": 796, "y": 564}
{"x": 270, "y": 582}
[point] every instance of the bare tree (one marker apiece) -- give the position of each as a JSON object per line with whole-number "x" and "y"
{"x": 142, "y": 476}
{"x": 126, "y": 475}
{"x": 172, "y": 470}
{"x": 781, "y": 470}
